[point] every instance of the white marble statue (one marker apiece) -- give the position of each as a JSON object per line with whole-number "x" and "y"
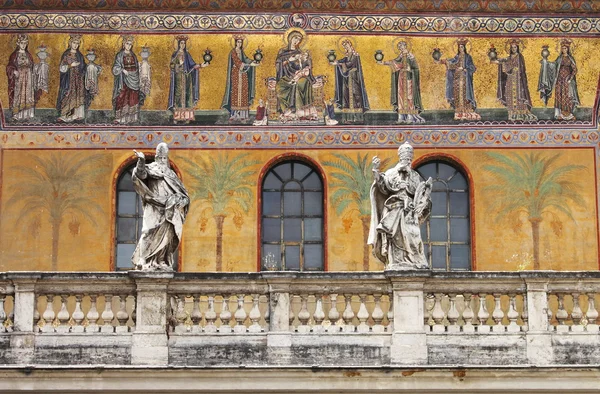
{"x": 400, "y": 202}
{"x": 165, "y": 201}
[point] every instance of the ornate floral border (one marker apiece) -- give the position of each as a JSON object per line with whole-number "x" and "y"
{"x": 275, "y": 22}
{"x": 343, "y": 139}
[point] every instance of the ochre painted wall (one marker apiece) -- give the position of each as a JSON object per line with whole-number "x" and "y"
{"x": 86, "y": 243}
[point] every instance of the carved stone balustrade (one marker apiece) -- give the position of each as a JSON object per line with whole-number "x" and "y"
{"x": 351, "y": 319}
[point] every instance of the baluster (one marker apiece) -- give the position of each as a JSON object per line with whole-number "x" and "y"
{"x": 133, "y": 314}
{"x": 2, "y": 314}
{"x": 525, "y": 313}
{"x": 107, "y": 315}
{"x": 180, "y": 315}
{"x": 196, "y": 315}
{"x": 11, "y": 317}
{"x": 92, "y": 315}
{"x": 240, "y": 315}
{"x": 498, "y": 314}
{"x": 483, "y": 315}
{"x": 37, "y": 319}
{"x": 348, "y": 314}
{"x": 512, "y": 314}
{"x": 453, "y": 314}
{"x": 561, "y": 314}
{"x": 210, "y": 315}
{"x": 255, "y": 315}
{"x": 363, "y": 314}
{"x": 390, "y": 313}
{"x": 549, "y": 313}
{"x": 49, "y": 314}
{"x": 63, "y": 316}
{"x": 468, "y": 315}
{"x": 429, "y": 303}
{"x": 592, "y": 314}
{"x": 225, "y": 315}
{"x": 78, "y": 316}
{"x": 122, "y": 315}
{"x": 303, "y": 315}
{"x": 577, "y": 315}
{"x": 267, "y": 313}
{"x": 377, "y": 314}
{"x": 319, "y": 314}
{"x": 333, "y": 315}
{"x": 438, "y": 314}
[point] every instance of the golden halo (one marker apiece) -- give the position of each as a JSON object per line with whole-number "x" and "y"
{"x": 467, "y": 44}
{"x": 291, "y": 30}
{"x": 571, "y": 46}
{"x": 188, "y": 46}
{"x": 232, "y": 40}
{"x": 344, "y": 38}
{"x": 519, "y": 41}
{"x": 68, "y": 46}
{"x": 397, "y": 41}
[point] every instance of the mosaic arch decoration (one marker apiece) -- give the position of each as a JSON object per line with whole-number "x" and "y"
{"x": 147, "y": 70}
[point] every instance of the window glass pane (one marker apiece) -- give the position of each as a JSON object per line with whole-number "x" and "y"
{"x": 292, "y": 203}
{"x": 313, "y": 229}
{"x": 300, "y": 171}
{"x": 438, "y": 203}
{"x": 459, "y": 204}
{"x": 313, "y": 257}
{"x": 271, "y": 182}
{"x": 125, "y": 182}
{"x": 439, "y": 186}
{"x": 313, "y": 203}
{"x": 458, "y": 181}
{"x": 271, "y": 203}
{"x": 271, "y": 257}
{"x": 426, "y": 251}
{"x": 126, "y": 203}
{"x": 459, "y": 230}
{"x": 459, "y": 257}
{"x": 427, "y": 170}
{"x": 284, "y": 171}
{"x": 271, "y": 230}
{"x": 124, "y": 253}
{"x": 438, "y": 230}
{"x": 292, "y": 186}
{"x": 438, "y": 257}
{"x": 292, "y": 258}
{"x": 424, "y": 232}
{"x": 140, "y": 211}
{"x": 445, "y": 171}
{"x": 126, "y": 229}
{"x": 312, "y": 182}
{"x": 292, "y": 230}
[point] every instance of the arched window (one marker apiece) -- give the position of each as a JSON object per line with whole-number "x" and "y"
{"x": 447, "y": 233}
{"x": 292, "y": 218}
{"x": 129, "y": 220}
{"x": 128, "y": 227}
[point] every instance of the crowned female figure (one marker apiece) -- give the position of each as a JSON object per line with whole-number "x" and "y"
{"x": 240, "y": 89}
{"x": 73, "y": 97}
{"x": 350, "y": 92}
{"x": 127, "y": 96}
{"x": 21, "y": 81}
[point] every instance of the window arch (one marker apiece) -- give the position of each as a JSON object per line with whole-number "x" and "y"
{"x": 292, "y": 218}
{"x": 129, "y": 218}
{"x": 447, "y": 233}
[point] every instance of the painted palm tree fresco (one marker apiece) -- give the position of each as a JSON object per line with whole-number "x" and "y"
{"x": 55, "y": 188}
{"x": 224, "y": 184}
{"x": 351, "y": 195}
{"x": 535, "y": 186}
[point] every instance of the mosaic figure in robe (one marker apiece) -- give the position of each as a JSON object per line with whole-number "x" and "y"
{"x": 241, "y": 85}
{"x": 73, "y": 97}
{"x": 295, "y": 80}
{"x": 127, "y": 96}
{"x": 184, "y": 88}
{"x": 513, "y": 91}
{"x": 459, "y": 83}
{"x": 350, "y": 92}
{"x": 405, "y": 94}
{"x": 560, "y": 77}
{"x": 22, "y": 95}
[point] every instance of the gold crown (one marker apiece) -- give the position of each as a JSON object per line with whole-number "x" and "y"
{"x": 181, "y": 37}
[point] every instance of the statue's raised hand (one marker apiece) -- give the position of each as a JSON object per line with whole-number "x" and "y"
{"x": 139, "y": 155}
{"x": 376, "y": 163}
